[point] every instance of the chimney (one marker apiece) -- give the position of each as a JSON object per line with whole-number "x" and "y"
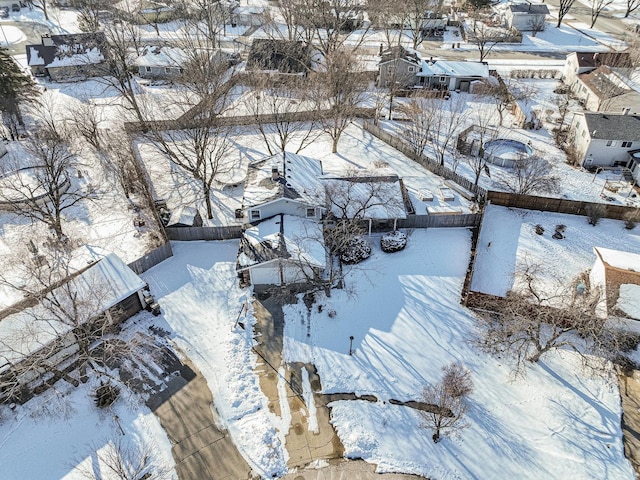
{"x": 626, "y": 110}
{"x": 47, "y": 41}
{"x": 275, "y": 175}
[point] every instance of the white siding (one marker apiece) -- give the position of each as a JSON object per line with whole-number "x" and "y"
{"x": 265, "y": 274}
{"x": 287, "y": 207}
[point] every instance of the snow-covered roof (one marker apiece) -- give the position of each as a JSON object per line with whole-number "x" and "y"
{"x": 68, "y": 50}
{"x": 158, "y": 56}
{"x": 629, "y": 300}
{"x": 183, "y": 215}
{"x": 619, "y": 259}
{"x": 34, "y": 56}
{"x": 297, "y": 180}
{"x": 453, "y": 69}
{"x": 365, "y": 196}
{"x": 106, "y": 282}
{"x": 283, "y": 236}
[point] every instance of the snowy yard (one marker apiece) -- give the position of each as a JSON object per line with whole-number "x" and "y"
{"x": 56, "y": 435}
{"x": 555, "y": 423}
{"x": 357, "y": 150}
{"x": 508, "y": 239}
{"x": 197, "y": 289}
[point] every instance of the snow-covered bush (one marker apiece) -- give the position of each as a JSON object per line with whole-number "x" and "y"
{"x": 393, "y": 242}
{"x": 356, "y": 250}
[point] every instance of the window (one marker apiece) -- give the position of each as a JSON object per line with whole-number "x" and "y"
{"x": 411, "y": 69}
{"x": 255, "y": 214}
{"x": 626, "y": 144}
{"x": 611, "y": 143}
{"x": 311, "y": 212}
{"x": 443, "y": 79}
{"x": 167, "y": 70}
{"x": 584, "y": 133}
{"x": 147, "y": 69}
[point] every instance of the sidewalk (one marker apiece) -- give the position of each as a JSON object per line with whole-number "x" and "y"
{"x": 347, "y": 470}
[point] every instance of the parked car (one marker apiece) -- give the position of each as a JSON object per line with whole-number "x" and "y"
{"x": 15, "y": 7}
{"x": 4, "y": 12}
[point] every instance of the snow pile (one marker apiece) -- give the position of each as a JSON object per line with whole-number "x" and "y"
{"x": 197, "y": 289}
{"x": 629, "y": 300}
{"x": 407, "y": 323}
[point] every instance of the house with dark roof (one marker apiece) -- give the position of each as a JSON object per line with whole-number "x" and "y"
{"x": 606, "y": 139}
{"x": 68, "y": 57}
{"x": 526, "y": 16}
{"x": 408, "y": 69}
{"x": 281, "y": 56}
{"x": 578, "y": 63}
{"x": 608, "y": 89}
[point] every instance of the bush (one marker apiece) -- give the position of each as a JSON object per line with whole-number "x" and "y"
{"x": 356, "y": 250}
{"x": 106, "y": 394}
{"x": 393, "y": 242}
{"x": 595, "y": 212}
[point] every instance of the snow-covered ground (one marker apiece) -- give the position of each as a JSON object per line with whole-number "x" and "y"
{"x": 508, "y": 241}
{"x": 200, "y": 298}
{"x": 56, "y": 435}
{"x": 555, "y": 423}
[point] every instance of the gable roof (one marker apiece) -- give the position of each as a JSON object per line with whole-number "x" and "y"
{"x": 284, "y": 237}
{"x": 398, "y": 52}
{"x": 282, "y": 55}
{"x": 529, "y": 8}
{"x": 297, "y": 180}
{"x": 595, "y": 59}
{"x": 613, "y": 126}
{"x": 160, "y": 56}
{"x": 619, "y": 259}
{"x": 603, "y": 83}
{"x": 68, "y": 50}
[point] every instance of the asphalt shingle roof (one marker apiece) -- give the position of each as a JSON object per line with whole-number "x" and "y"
{"x": 609, "y": 126}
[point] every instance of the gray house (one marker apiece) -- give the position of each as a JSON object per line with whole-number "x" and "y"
{"x": 407, "y": 69}
{"x": 69, "y": 57}
{"x": 606, "y": 139}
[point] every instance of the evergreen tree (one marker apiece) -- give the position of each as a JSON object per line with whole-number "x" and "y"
{"x": 16, "y": 88}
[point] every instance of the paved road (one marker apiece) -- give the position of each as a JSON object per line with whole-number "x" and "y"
{"x": 200, "y": 449}
{"x": 606, "y": 22}
{"x": 32, "y": 30}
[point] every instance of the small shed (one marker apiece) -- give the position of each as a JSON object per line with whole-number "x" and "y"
{"x": 185, "y": 217}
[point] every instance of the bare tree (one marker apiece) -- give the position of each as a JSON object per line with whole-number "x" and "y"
{"x": 46, "y": 191}
{"x": 89, "y": 14}
{"x": 447, "y": 400}
{"x": 278, "y": 111}
{"x": 483, "y": 36}
{"x": 564, "y": 7}
{"x": 501, "y": 97}
{"x": 395, "y": 77}
{"x": 541, "y": 316}
{"x": 414, "y": 16}
{"x": 483, "y": 132}
{"x": 338, "y": 91}
{"x": 121, "y": 460}
{"x": 419, "y": 132}
{"x": 118, "y": 162}
{"x": 389, "y": 18}
{"x": 631, "y": 6}
{"x": 536, "y": 25}
{"x": 41, "y": 5}
{"x": 531, "y": 175}
{"x": 597, "y": 7}
{"x": 86, "y": 120}
{"x": 64, "y": 324}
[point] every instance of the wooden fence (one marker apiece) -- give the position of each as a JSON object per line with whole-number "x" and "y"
{"x": 557, "y": 205}
{"x": 204, "y": 233}
{"x": 151, "y": 259}
{"x": 440, "y": 221}
{"x": 428, "y": 163}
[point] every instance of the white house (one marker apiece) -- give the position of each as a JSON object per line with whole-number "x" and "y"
{"x": 526, "y": 16}
{"x": 281, "y": 250}
{"x": 606, "y": 139}
{"x": 283, "y": 183}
